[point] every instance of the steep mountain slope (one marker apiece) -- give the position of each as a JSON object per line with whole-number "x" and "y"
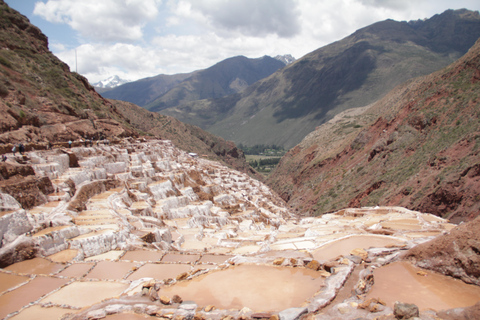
{"x": 144, "y": 91}
{"x": 42, "y": 101}
{"x": 354, "y": 72}
{"x": 418, "y": 147}
{"x": 226, "y": 77}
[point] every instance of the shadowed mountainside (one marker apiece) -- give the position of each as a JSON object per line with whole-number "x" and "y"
{"x": 226, "y": 77}
{"x": 144, "y": 91}
{"x": 418, "y": 147}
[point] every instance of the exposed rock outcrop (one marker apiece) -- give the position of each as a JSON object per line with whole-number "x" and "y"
{"x": 456, "y": 254}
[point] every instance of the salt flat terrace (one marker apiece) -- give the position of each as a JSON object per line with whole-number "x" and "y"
{"x": 135, "y": 227}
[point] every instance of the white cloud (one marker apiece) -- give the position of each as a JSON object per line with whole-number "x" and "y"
{"x": 140, "y": 38}
{"x": 251, "y": 17}
{"x": 105, "y": 20}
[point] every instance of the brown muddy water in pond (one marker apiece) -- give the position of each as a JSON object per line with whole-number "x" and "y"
{"x": 64, "y": 255}
{"x": 159, "y": 271}
{"x": 258, "y": 287}
{"x": 81, "y": 294}
{"x": 38, "y": 313}
{"x": 401, "y": 225}
{"x": 143, "y": 255}
{"x": 51, "y": 204}
{"x": 344, "y": 246}
{"x": 8, "y": 281}
{"x": 35, "y": 266}
{"x": 218, "y": 259}
{"x": 128, "y": 316}
{"x": 111, "y": 270}
{"x": 176, "y": 257}
{"x": 399, "y": 281}
{"x": 48, "y": 230}
{"x": 16, "y": 299}
{"x": 76, "y": 270}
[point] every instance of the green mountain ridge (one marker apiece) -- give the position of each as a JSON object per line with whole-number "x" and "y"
{"x": 353, "y": 72}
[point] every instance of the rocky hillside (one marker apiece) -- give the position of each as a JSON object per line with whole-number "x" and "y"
{"x": 42, "y": 101}
{"x": 353, "y": 72}
{"x": 418, "y": 147}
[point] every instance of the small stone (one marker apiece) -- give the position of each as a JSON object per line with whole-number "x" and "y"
{"x": 293, "y": 261}
{"x": 139, "y": 308}
{"x": 261, "y": 315}
{"x": 292, "y": 313}
{"x": 405, "y": 310}
{"x": 145, "y": 291}
{"x": 274, "y": 317}
{"x": 96, "y": 314}
{"x": 149, "y": 284}
{"x": 343, "y": 308}
{"x": 324, "y": 273}
{"x": 314, "y": 265}
{"x": 188, "y": 305}
{"x": 182, "y": 276}
{"x": 245, "y": 311}
{"x": 177, "y": 299}
{"x": 376, "y": 307}
{"x": 421, "y": 273}
{"x": 359, "y": 253}
{"x": 151, "y": 310}
{"x": 345, "y": 261}
{"x": 209, "y": 308}
{"x": 153, "y": 294}
{"x": 278, "y": 261}
{"x": 198, "y": 316}
{"x": 164, "y": 300}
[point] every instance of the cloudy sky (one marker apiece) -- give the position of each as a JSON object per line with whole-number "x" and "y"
{"x": 141, "y": 38}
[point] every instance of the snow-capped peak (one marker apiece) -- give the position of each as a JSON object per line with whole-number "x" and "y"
{"x": 111, "y": 82}
{"x": 286, "y": 58}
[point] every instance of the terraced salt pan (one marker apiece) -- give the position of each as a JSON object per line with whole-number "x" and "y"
{"x": 76, "y": 270}
{"x": 345, "y": 245}
{"x": 82, "y": 294}
{"x": 180, "y": 258}
{"x": 35, "y": 266}
{"x": 8, "y": 280}
{"x": 253, "y": 224}
{"x": 24, "y": 295}
{"x": 159, "y": 271}
{"x": 39, "y": 313}
{"x": 142, "y": 255}
{"x": 64, "y": 255}
{"x": 110, "y": 270}
{"x": 400, "y": 281}
{"x": 110, "y": 255}
{"x": 260, "y": 288}
{"x": 128, "y": 316}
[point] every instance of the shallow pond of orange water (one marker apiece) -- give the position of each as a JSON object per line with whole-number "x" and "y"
{"x": 258, "y": 287}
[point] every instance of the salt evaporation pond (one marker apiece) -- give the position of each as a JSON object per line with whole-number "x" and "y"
{"x": 400, "y": 281}
{"x": 344, "y": 246}
{"x": 258, "y": 287}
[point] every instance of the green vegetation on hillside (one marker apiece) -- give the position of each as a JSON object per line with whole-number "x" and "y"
{"x": 263, "y": 158}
